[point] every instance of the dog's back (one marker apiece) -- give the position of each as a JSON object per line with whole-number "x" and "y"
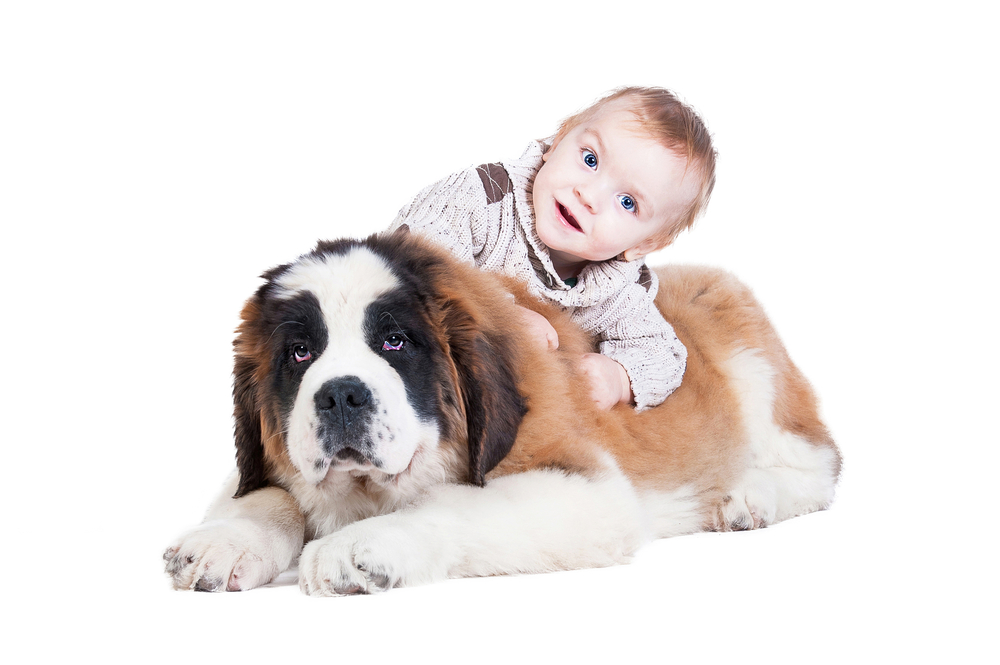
{"x": 739, "y": 443}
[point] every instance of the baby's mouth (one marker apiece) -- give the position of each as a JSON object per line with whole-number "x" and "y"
{"x": 568, "y": 217}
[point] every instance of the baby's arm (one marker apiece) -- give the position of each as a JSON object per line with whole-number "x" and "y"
{"x": 639, "y": 339}
{"x": 607, "y": 380}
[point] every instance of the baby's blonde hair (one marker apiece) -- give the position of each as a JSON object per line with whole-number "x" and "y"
{"x": 677, "y": 127}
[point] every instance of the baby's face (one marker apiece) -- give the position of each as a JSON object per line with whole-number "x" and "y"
{"x": 606, "y": 188}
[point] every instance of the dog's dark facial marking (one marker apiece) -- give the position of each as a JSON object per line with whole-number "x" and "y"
{"x": 292, "y": 333}
{"x": 396, "y": 329}
{"x": 297, "y": 337}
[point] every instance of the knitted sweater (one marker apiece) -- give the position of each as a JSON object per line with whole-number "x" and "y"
{"x": 484, "y": 215}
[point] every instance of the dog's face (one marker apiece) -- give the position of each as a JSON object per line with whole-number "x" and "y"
{"x": 353, "y": 368}
{"x": 357, "y": 362}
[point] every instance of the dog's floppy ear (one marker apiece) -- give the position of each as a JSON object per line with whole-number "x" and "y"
{"x": 493, "y": 406}
{"x": 246, "y": 406}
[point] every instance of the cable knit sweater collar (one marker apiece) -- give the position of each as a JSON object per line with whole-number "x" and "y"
{"x": 597, "y": 282}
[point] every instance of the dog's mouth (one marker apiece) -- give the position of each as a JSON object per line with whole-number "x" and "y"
{"x": 348, "y": 455}
{"x": 370, "y": 471}
{"x": 346, "y": 460}
{"x": 567, "y": 217}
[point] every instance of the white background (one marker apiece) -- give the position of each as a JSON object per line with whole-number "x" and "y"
{"x": 155, "y": 158}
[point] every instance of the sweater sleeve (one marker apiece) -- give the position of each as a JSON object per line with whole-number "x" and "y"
{"x": 451, "y": 212}
{"x": 641, "y": 341}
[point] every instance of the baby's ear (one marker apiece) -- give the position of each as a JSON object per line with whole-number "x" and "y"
{"x": 552, "y": 148}
{"x": 645, "y": 247}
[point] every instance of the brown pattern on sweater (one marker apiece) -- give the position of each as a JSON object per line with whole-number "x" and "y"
{"x": 495, "y": 181}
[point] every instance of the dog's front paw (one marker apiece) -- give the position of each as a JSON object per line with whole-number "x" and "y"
{"x": 744, "y": 509}
{"x": 221, "y": 555}
{"x": 367, "y": 557}
{"x": 342, "y": 564}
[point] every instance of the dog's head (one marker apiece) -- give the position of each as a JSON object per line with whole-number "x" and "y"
{"x": 362, "y": 353}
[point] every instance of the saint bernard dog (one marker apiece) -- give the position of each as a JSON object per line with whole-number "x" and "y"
{"x": 395, "y": 426}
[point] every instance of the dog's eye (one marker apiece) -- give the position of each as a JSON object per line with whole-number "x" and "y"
{"x": 393, "y": 343}
{"x": 301, "y": 353}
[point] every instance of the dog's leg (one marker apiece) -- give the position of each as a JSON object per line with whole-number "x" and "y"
{"x": 768, "y": 495}
{"x": 537, "y": 521}
{"x": 786, "y": 475}
{"x": 243, "y": 543}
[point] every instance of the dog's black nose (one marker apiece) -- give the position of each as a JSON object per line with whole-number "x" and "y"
{"x": 345, "y": 408}
{"x": 344, "y": 396}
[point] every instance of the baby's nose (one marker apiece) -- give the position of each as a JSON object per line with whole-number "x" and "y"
{"x": 585, "y": 197}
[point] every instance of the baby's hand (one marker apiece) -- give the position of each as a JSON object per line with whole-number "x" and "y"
{"x": 609, "y": 383}
{"x": 539, "y": 328}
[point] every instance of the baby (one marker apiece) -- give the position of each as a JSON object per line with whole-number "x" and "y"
{"x": 574, "y": 217}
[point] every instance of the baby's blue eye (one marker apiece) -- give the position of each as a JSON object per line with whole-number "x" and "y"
{"x": 627, "y": 202}
{"x": 590, "y": 159}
